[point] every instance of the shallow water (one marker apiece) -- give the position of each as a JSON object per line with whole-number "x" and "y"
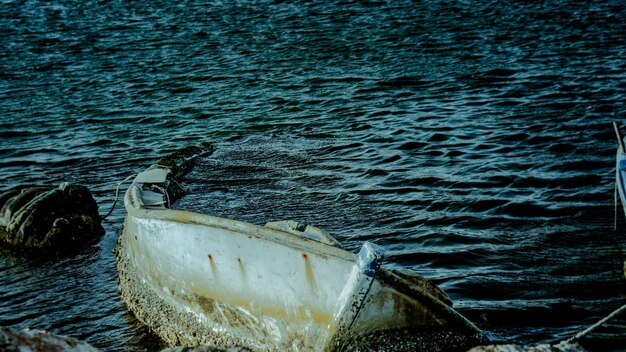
{"x": 471, "y": 139}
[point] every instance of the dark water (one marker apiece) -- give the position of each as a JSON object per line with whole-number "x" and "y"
{"x": 470, "y": 139}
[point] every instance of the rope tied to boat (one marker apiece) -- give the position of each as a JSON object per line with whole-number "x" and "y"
{"x": 117, "y": 193}
{"x": 596, "y": 325}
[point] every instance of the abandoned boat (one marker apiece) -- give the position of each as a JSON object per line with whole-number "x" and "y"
{"x": 196, "y": 279}
{"x": 620, "y": 167}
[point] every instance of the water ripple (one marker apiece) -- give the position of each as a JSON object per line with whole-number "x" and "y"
{"x": 471, "y": 139}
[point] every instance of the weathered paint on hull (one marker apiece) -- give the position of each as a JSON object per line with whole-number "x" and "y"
{"x": 196, "y": 279}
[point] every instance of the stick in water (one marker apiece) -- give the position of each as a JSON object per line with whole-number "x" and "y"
{"x": 619, "y": 137}
{"x": 596, "y": 325}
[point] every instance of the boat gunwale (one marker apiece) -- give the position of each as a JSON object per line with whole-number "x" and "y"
{"x": 136, "y": 209}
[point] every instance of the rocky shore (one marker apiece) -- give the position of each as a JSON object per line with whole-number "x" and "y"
{"x": 42, "y": 341}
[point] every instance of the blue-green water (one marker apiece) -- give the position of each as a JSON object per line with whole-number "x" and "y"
{"x": 471, "y": 139}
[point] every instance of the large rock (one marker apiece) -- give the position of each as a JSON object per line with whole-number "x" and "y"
{"x": 40, "y": 341}
{"x": 561, "y": 347}
{"x": 55, "y": 219}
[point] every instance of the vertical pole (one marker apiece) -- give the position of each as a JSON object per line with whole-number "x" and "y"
{"x": 620, "y": 139}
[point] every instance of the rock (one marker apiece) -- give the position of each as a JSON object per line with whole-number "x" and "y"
{"x": 561, "y": 347}
{"x": 56, "y": 219}
{"x": 206, "y": 349}
{"x": 40, "y": 341}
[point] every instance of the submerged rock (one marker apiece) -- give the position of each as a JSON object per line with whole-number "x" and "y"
{"x": 561, "y": 347}
{"x": 55, "y": 219}
{"x": 40, "y": 341}
{"x": 181, "y": 160}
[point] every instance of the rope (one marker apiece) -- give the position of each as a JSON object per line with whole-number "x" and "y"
{"x": 117, "y": 193}
{"x": 592, "y": 327}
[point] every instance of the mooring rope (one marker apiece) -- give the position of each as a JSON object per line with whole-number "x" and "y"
{"x": 117, "y": 193}
{"x": 594, "y": 326}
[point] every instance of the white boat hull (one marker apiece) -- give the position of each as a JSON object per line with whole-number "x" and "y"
{"x": 196, "y": 279}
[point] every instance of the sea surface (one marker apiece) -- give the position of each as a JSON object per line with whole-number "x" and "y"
{"x": 470, "y": 139}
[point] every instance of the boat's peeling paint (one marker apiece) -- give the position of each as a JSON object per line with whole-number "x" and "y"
{"x": 300, "y": 313}
{"x": 242, "y": 270}
{"x": 213, "y": 266}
